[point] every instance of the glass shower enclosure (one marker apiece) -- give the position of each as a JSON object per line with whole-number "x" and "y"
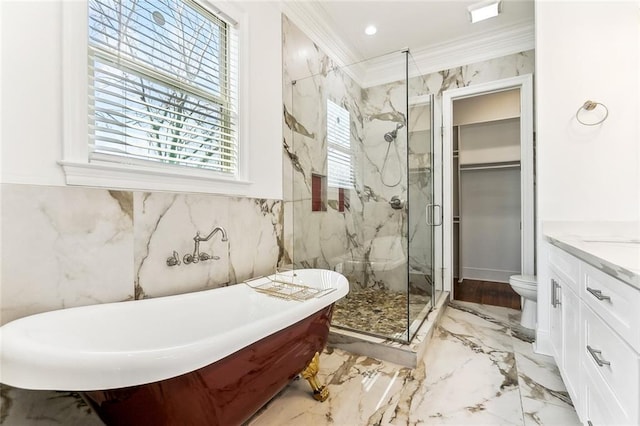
{"x": 360, "y": 196}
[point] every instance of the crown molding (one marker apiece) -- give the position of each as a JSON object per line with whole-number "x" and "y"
{"x": 507, "y": 40}
{"x": 312, "y": 19}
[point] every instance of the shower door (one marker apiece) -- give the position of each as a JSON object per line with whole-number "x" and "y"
{"x": 359, "y": 159}
{"x": 424, "y": 214}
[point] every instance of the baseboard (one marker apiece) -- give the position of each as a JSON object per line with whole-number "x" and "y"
{"x": 542, "y": 344}
{"x": 482, "y": 274}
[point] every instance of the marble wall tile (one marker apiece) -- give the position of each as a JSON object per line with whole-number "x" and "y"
{"x": 256, "y": 238}
{"x": 67, "y": 246}
{"x": 165, "y": 222}
{"x": 63, "y": 247}
{"x": 323, "y": 238}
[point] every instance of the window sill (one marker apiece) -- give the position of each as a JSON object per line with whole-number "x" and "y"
{"x": 119, "y": 176}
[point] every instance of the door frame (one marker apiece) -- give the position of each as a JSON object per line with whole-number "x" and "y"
{"x": 527, "y": 200}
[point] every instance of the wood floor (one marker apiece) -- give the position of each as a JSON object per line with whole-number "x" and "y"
{"x": 487, "y": 293}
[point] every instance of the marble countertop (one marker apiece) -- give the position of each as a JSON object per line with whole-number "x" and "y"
{"x": 613, "y": 248}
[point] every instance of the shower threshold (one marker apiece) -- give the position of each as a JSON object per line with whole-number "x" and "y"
{"x": 391, "y": 349}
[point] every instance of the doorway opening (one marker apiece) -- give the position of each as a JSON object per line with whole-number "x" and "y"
{"x": 488, "y": 179}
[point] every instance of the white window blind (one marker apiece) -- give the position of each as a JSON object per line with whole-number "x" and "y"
{"x": 163, "y": 84}
{"x": 339, "y": 155}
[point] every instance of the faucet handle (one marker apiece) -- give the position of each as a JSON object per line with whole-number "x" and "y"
{"x": 174, "y": 260}
{"x": 207, "y": 256}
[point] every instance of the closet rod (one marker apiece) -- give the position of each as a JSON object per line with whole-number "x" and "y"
{"x": 489, "y": 167}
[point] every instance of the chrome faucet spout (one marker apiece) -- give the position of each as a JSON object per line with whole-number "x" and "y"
{"x": 198, "y": 238}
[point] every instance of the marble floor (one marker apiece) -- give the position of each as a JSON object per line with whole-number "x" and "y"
{"x": 479, "y": 369}
{"x": 378, "y": 311}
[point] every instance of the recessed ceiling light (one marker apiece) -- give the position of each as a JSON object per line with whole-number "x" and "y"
{"x": 370, "y": 30}
{"x": 484, "y": 10}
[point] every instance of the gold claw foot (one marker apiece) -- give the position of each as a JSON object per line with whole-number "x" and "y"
{"x": 320, "y": 393}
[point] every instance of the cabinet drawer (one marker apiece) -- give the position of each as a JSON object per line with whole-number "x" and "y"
{"x": 606, "y": 355}
{"x": 601, "y": 406}
{"x": 567, "y": 266}
{"x": 614, "y": 301}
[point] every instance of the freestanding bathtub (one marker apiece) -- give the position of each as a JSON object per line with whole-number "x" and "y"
{"x": 205, "y": 358}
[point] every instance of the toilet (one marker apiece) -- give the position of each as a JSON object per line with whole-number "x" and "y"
{"x": 526, "y": 286}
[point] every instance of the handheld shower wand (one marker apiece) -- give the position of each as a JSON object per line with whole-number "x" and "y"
{"x": 392, "y": 135}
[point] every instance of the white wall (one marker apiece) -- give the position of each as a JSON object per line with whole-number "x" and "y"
{"x": 480, "y": 109}
{"x": 585, "y": 50}
{"x": 32, "y": 96}
{"x": 490, "y": 241}
{"x": 490, "y": 142}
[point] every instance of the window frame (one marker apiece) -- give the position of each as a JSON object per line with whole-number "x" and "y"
{"x": 77, "y": 167}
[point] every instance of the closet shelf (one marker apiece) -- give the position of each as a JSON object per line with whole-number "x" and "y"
{"x": 489, "y": 166}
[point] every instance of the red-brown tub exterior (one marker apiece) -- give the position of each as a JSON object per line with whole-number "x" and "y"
{"x": 227, "y": 392}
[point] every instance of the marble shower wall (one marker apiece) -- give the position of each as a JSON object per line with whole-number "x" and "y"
{"x": 331, "y": 239}
{"x": 70, "y": 246}
{"x": 369, "y": 240}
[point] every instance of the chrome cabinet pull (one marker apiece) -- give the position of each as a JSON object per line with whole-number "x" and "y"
{"x": 554, "y": 293}
{"x": 597, "y": 356}
{"x": 598, "y": 294}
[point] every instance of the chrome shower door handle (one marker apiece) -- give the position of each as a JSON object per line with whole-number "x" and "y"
{"x": 430, "y": 213}
{"x": 439, "y": 214}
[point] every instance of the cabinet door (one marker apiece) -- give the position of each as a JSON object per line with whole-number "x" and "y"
{"x": 556, "y": 318}
{"x": 571, "y": 346}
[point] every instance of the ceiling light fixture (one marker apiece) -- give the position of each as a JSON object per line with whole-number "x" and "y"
{"x": 484, "y": 10}
{"x": 370, "y": 30}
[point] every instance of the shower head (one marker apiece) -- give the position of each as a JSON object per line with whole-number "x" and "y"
{"x": 392, "y": 135}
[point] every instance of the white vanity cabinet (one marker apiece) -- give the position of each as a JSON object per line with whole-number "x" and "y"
{"x": 595, "y": 334}
{"x": 565, "y": 319}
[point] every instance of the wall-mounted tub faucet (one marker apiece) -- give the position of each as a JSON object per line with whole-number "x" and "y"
{"x": 197, "y": 256}
{"x": 216, "y": 229}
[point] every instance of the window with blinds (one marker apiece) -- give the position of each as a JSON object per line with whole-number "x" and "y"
{"x": 339, "y": 155}
{"x": 163, "y": 84}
